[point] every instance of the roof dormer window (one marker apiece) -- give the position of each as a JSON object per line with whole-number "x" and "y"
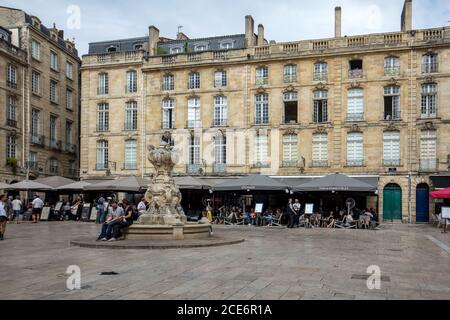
{"x": 112, "y": 49}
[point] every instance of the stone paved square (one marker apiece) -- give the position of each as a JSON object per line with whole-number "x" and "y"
{"x": 270, "y": 264}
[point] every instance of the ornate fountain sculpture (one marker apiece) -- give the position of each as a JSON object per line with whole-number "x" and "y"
{"x": 163, "y": 194}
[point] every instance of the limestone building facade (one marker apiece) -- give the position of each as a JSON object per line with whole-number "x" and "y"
{"x": 40, "y": 94}
{"x": 370, "y": 106}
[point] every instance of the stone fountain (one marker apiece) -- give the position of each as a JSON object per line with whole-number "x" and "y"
{"x": 165, "y": 218}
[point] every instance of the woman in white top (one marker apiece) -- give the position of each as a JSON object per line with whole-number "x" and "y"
{"x": 3, "y": 216}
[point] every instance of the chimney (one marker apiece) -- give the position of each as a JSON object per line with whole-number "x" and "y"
{"x": 337, "y": 22}
{"x": 407, "y": 16}
{"x": 249, "y": 31}
{"x": 153, "y": 39}
{"x": 260, "y": 35}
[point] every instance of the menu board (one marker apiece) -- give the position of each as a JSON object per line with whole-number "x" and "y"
{"x": 45, "y": 213}
{"x": 85, "y": 213}
{"x": 445, "y": 213}
{"x": 93, "y": 213}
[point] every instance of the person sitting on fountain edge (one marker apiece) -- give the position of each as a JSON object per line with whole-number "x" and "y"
{"x": 107, "y": 227}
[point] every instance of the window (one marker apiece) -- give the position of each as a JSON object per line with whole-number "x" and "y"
{"x": 68, "y": 133}
{"x": 261, "y": 151}
{"x": 290, "y": 107}
{"x": 168, "y": 107}
{"x": 102, "y": 155}
{"x": 69, "y": 100}
{"x": 355, "y": 107}
{"x": 130, "y": 155}
{"x": 103, "y": 117}
{"x": 391, "y": 148}
{"x": 103, "y": 86}
{"x": 11, "y": 112}
{"x": 194, "y": 113}
{"x": 320, "y": 106}
{"x": 220, "y": 150}
{"x": 355, "y": 155}
{"x": 35, "y": 82}
{"x": 262, "y": 76}
{"x": 262, "y": 109}
{"x": 392, "y": 103}
{"x": 53, "y": 166}
{"x": 35, "y": 125}
{"x": 201, "y": 47}
{"x": 430, "y": 63}
{"x": 194, "y": 150}
{"x": 320, "y": 71}
{"x": 53, "y": 130}
{"x": 220, "y": 79}
{"x": 176, "y": 50}
{"x": 168, "y": 82}
{"x": 138, "y": 46}
{"x": 11, "y": 77}
{"x": 32, "y": 160}
{"x": 428, "y": 102}
{"x": 11, "y": 145}
{"x": 112, "y": 49}
{"x": 428, "y": 156}
{"x": 355, "y": 69}
{"x": 320, "y": 150}
{"x": 290, "y": 150}
{"x": 226, "y": 45}
{"x": 194, "y": 80}
{"x": 290, "y": 73}
{"x": 35, "y": 50}
{"x": 131, "y": 81}
{"x": 53, "y": 91}
{"x": 69, "y": 70}
{"x": 391, "y": 66}
{"x": 53, "y": 61}
{"x": 220, "y": 110}
{"x": 131, "y": 116}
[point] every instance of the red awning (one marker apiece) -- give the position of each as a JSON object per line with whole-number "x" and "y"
{"x": 441, "y": 194}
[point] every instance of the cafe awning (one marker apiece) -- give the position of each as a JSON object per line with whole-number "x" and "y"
{"x": 336, "y": 182}
{"x": 29, "y": 185}
{"x": 4, "y": 186}
{"x": 75, "y": 186}
{"x": 55, "y": 181}
{"x": 191, "y": 183}
{"x": 251, "y": 182}
{"x": 126, "y": 184}
{"x": 441, "y": 194}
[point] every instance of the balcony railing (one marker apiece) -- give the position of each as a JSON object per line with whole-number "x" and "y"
{"x": 193, "y": 168}
{"x": 430, "y": 67}
{"x": 355, "y": 74}
{"x": 130, "y": 126}
{"x": 11, "y": 123}
{"x": 260, "y": 164}
{"x": 101, "y": 166}
{"x": 12, "y": 85}
{"x": 71, "y": 148}
{"x": 129, "y": 166}
{"x": 220, "y": 55}
{"x": 194, "y": 57}
{"x": 220, "y": 123}
{"x": 32, "y": 165}
{"x": 355, "y": 163}
{"x": 168, "y": 124}
{"x": 102, "y": 91}
{"x": 219, "y": 167}
{"x": 169, "y": 59}
{"x": 319, "y": 163}
{"x": 428, "y": 164}
{"x": 290, "y": 163}
{"x": 55, "y": 144}
{"x": 320, "y": 76}
{"x": 391, "y": 162}
{"x": 38, "y": 139}
{"x": 260, "y": 81}
{"x": 391, "y": 71}
{"x": 355, "y": 116}
{"x": 290, "y": 78}
{"x": 193, "y": 124}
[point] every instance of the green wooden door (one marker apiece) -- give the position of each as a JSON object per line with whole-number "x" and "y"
{"x": 392, "y": 202}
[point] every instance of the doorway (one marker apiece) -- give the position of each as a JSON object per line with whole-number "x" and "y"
{"x": 422, "y": 203}
{"x": 392, "y": 202}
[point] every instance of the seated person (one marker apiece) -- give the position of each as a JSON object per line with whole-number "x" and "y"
{"x": 115, "y": 216}
{"x": 315, "y": 219}
{"x": 127, "y": 220}
{"x": 66, "y": 211}
{"x": 331, "y": 221}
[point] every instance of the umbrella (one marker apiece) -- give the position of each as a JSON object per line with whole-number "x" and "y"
{"x": 128, "y": 184}
{"x": 336, "y": 182}
{"x": 74, "y": 186}
{"x": 4, "y": 186}
{"x": 191, "y": 183}
{"x": 54, "y": 181}
{"x": 251, "y": 182}
{"x": 441, "y": 194}
{"x": 29, "y": 185}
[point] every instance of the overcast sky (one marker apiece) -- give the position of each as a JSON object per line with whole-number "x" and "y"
{"x": 284, "y": 20}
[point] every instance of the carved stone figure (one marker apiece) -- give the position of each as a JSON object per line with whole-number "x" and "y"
{"x": 163, "y": 194}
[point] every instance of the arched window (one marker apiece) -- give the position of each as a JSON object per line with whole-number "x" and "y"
{"x": 102, "y": 155}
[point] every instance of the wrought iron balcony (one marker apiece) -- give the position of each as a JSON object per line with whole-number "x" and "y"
{"x": 11, "y": 123}
{"x": 290, "y": 163}
{"x": 220, "y": 123}
{"x": 190, "y": 124}
{"x": 168, "y": 124}
{"x": 319, "y": 163}
{"x": 391, "y": 71}
{"x": 102, "y": 91}
{"x": 355, "y": 163}
{"x": 194, "y": 168}
{"x": 219, "y": 167}
{"x": 260, "y": 81}
{"x": 55, "y": 144}
{"x": 38, "y": 139}
{"x": 355, "y": 116}
{"x": 429, "y": 165}
{"x": 130, "y": 166}
{"x": 101, "y": 166}
{"x": 290, "y": 78}
{"x": 130, "y": 126}
{"x": 391, "y": 162}
{"x": 260, "y": 164}
{"x": 71, "y": 148}
{"x": 11, "y": 84}
{"x": 355, "y": 74}
{"x": 320, "y": 76}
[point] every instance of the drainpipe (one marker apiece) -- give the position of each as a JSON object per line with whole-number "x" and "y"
{"x": 143, "y": 108}
{"x": 411, "y": 106}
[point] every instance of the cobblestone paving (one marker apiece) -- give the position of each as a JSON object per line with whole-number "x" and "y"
{"x": 270, "y": 264}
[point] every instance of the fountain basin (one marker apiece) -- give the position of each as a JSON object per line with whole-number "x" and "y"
{"x": 166, "y": 232}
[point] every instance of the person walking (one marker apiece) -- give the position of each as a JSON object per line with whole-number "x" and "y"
{"x": 17, "y": 208}
{"x": 3, "y": 216}
{"x": 290, "y": 213}
{"x": 37, "y": 208}
{"x": 297, "y": 206}
{"x": 101, "y": 210}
